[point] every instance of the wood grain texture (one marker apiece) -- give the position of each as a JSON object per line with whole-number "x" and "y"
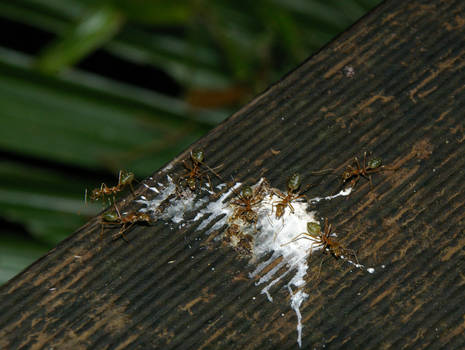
{"x": 393, "y": 84}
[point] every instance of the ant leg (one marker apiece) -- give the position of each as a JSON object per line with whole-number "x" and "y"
{"x": 210, "y": 183}
{"x": 358, "y": 163}
{"x": 274, "y": 205}
{"x": 323, "y": 171}
{"x": 296, "y": 238}
{"x": 276, "y": 233}
{"x": 319, "y": 269}
{"x": 354, "y": 182}
{"x": 104, "y": 188}
{"x": 113, "y": 198}
{"x": 305, "y": 190}
{"x": 117, "y": 211}
{"x": 213, "y": 171}
{"x": 120, "y": 174}
{"x": 312, "y": 245}
{"x": 277, "y": 193}
{"x": 290, "y": 206}
{"x": 103, "y": 224}
{"x": 85, "y": 197}
{"x": 120, "y": 233}
{"x": 131, "y": 188}
{"x": 187, "y": 166}
{"x": 101, "y": 231}
{"x": 383, "y": 167}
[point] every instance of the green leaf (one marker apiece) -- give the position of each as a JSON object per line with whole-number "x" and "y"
{"x": 49, "y": 203}
{"x": 160, "y": 12}
{"x": 51, "y": 119}
{"x": 92, "y": 31}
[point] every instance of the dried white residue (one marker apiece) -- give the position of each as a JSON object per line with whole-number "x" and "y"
{"x": 183, "y": 201}
{"x": 214, "y": 210}
{"x": 162, "y": 194}
{"x": 344, "y": 192}
{"x": 179, "y": 202}
{"x": 270, "y": 236}
{"x": 277, "y": 236}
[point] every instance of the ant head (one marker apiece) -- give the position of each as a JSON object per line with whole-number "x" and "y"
{"x": 374, "y": 163}
{"x": 110, "y": 217}
{"x": 247, "y": 192}
{"x": 197, "y": 155}
{"x": 313, "y": 228}
{"x": 191, "y": 183}
{"x": 126, "y": 177}
{"x": 294, "y": 182}
{"x": 346, "y": 175}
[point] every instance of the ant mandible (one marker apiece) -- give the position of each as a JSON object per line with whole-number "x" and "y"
{"x": 126, "y": 221}
{"x": 124, "y": 179}
{"x": 293, "y": 185}
{"x": 353, "y": 173}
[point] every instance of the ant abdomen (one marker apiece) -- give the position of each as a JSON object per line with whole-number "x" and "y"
{"x": 374, "y": 163}
{"x": 313, "y": 228}
{"x": 247, "y": 192}
{"x": 294, "y": 182}
{"x": 126, "y": 178}
{"x": 197, "y": 155}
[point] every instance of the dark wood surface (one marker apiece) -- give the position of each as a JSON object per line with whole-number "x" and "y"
{"x": 393, "y": 84}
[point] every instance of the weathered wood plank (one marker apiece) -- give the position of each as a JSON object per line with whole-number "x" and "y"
{"x": 392, "y": 84}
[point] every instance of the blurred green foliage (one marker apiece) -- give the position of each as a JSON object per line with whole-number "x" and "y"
{"x": 66, "y": 127}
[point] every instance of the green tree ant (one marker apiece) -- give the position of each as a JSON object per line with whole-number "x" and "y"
{"x": 292, "y": 194}
{"x": 246, "y": 200}
{"x": 126, "y": 221}
{"x": 355, "y": 171}
{"x": 194, "y": 171}
{"x": 124, "y": 179}
{"x": 323, "y": 239}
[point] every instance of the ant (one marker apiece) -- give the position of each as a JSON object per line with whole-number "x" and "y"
{"x": 293, "y": 185}
{"x": 126, "y": 221}
{"x": 323, "y": 239}
{"x": 124, "y": 179}
{"x": 247, "y": 199}
{"x": 355, "y": 171}
{"x": 194, "y": 173}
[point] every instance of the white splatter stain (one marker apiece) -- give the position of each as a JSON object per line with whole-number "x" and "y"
{"x": 275, "y": 236}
